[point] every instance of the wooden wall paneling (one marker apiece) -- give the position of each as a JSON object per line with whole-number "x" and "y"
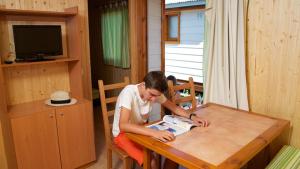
{"x": 295, "y": 131}
{"x": 30, "y": 4}
{"x": 4, "y": 36}
{"x": 163, "y": 34}
{"x": 86, "y": 62}
{"x": 143, "y": 62}
{"x": 138, "y": 39}
{"x": 44, "y": 79}
{"x": 55, "y": 5}
{"x": 133, "y": 40}
{"x": 76, "y": 85}
{"x": 75, "y": 51}
{"x": 273, "y": 29}
{"x": 12, "y": 4}
{"x": 85, "y": 52}
{"x": 41, "y": 5}
{"x": 7, "y": 153}
{"x": 2, "y": 4}
{"x": 74, "y": 32}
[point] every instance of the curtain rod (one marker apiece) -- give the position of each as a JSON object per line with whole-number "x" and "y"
{"x": 113, "y": 3}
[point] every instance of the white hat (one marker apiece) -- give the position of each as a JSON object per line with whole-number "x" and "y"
{"x": 60, "y": 98}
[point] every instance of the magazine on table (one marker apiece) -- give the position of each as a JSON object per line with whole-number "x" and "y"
{"x": 175, "y": 124}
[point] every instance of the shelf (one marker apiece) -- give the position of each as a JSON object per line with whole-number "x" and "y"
{"x": 23, "y": 109}
{"x": 14, "y": 12}
{"x": 38, "y": 63}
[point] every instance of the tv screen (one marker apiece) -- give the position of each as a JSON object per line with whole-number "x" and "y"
{"x": 37, "y": 41}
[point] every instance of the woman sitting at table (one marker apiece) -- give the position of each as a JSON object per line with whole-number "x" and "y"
{"x": 177, "y": 94}
{"x": 132, "y": 111}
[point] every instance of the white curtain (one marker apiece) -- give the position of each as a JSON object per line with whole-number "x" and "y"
{"x": 225, "y": 74}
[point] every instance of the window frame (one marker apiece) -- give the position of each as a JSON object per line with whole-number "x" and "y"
{"x": 164, "y": 32}
{"x": 166, "y": 16}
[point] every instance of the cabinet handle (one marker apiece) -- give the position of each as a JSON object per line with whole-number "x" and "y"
{"x": 51, "y": 115}
{"x": 61, "y": 114}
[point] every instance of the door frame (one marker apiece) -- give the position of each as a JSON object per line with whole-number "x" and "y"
{"x": 138, "y": 39}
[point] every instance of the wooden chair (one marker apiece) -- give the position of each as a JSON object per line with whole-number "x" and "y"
{"x": 191, "y": 98}
{"x": 111, "y": 147}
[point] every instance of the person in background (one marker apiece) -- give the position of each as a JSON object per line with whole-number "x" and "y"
{"x": 177, "y": 94}
{"x": 132, "y": 111}
{"x": 173, "y": 79}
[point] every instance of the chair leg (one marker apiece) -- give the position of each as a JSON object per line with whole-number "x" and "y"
{"x": 159, "y": 161}
{"x": 127, "y": 162}
{"x": 109, "y": 158}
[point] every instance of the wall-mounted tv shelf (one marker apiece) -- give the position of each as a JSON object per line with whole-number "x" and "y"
{"x": 39, "y": 62}
{"x": 34, "y": 128}
{"x": 23, "y": 82}
{"x": 19, "y": 12}
{"x": 16, "y": 74}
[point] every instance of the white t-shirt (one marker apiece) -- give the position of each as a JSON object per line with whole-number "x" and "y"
{"x": 129, "y": 98}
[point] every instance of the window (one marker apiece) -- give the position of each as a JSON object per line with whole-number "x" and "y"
{"x": 172, "y": 33}
{"x": 183, "y": 45}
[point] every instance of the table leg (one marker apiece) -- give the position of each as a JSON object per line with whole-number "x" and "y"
{"x": 147, "y": 159}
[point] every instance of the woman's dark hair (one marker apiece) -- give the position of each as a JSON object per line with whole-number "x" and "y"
{"x": 156, "y": 80}
{"x": 173, "y": 79}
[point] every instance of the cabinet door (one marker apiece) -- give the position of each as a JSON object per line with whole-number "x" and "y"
{"x": 76, "y": 135}
{"x": 36, "y": 142}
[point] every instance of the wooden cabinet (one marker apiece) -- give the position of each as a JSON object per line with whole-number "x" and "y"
{"x": 75, "y": 134}
{"x": 47, "y": 137}
{"x": 35, "y": 138}
{"x": 55, "y": 138}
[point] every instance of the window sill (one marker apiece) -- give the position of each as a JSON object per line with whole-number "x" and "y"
{"x": 172, "y": 42}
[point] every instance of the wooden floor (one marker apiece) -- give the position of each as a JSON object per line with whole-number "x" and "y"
{"x": 100, "y": 145}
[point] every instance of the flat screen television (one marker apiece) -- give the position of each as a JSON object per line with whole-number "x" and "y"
{"x": 37, "y": 42}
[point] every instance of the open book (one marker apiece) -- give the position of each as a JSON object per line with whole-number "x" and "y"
{"x": 175, "y": 124}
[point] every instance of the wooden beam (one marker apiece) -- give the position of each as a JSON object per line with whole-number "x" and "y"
{"x": 7, "y": 157}
{"x": 138, "y": 39}
{"x": 163, "y": 33}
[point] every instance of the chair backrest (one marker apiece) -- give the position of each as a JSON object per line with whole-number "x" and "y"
{"x": 173, "y": 89}
{"x": 109, "y": 100}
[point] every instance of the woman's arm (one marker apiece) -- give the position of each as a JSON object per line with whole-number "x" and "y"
{"x": 126, "y": 126}
{"x": 175, "y": 109}
{"x": 181, "y": 112}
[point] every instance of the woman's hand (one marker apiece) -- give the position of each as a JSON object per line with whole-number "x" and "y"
{"x": 199, "y": 121}
{"x": 163, "y": 135}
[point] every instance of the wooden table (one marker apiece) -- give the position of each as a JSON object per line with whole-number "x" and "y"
{"x": 231, "y": 140}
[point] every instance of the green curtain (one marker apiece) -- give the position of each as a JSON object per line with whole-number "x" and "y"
{"x": 114, "y": 26}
